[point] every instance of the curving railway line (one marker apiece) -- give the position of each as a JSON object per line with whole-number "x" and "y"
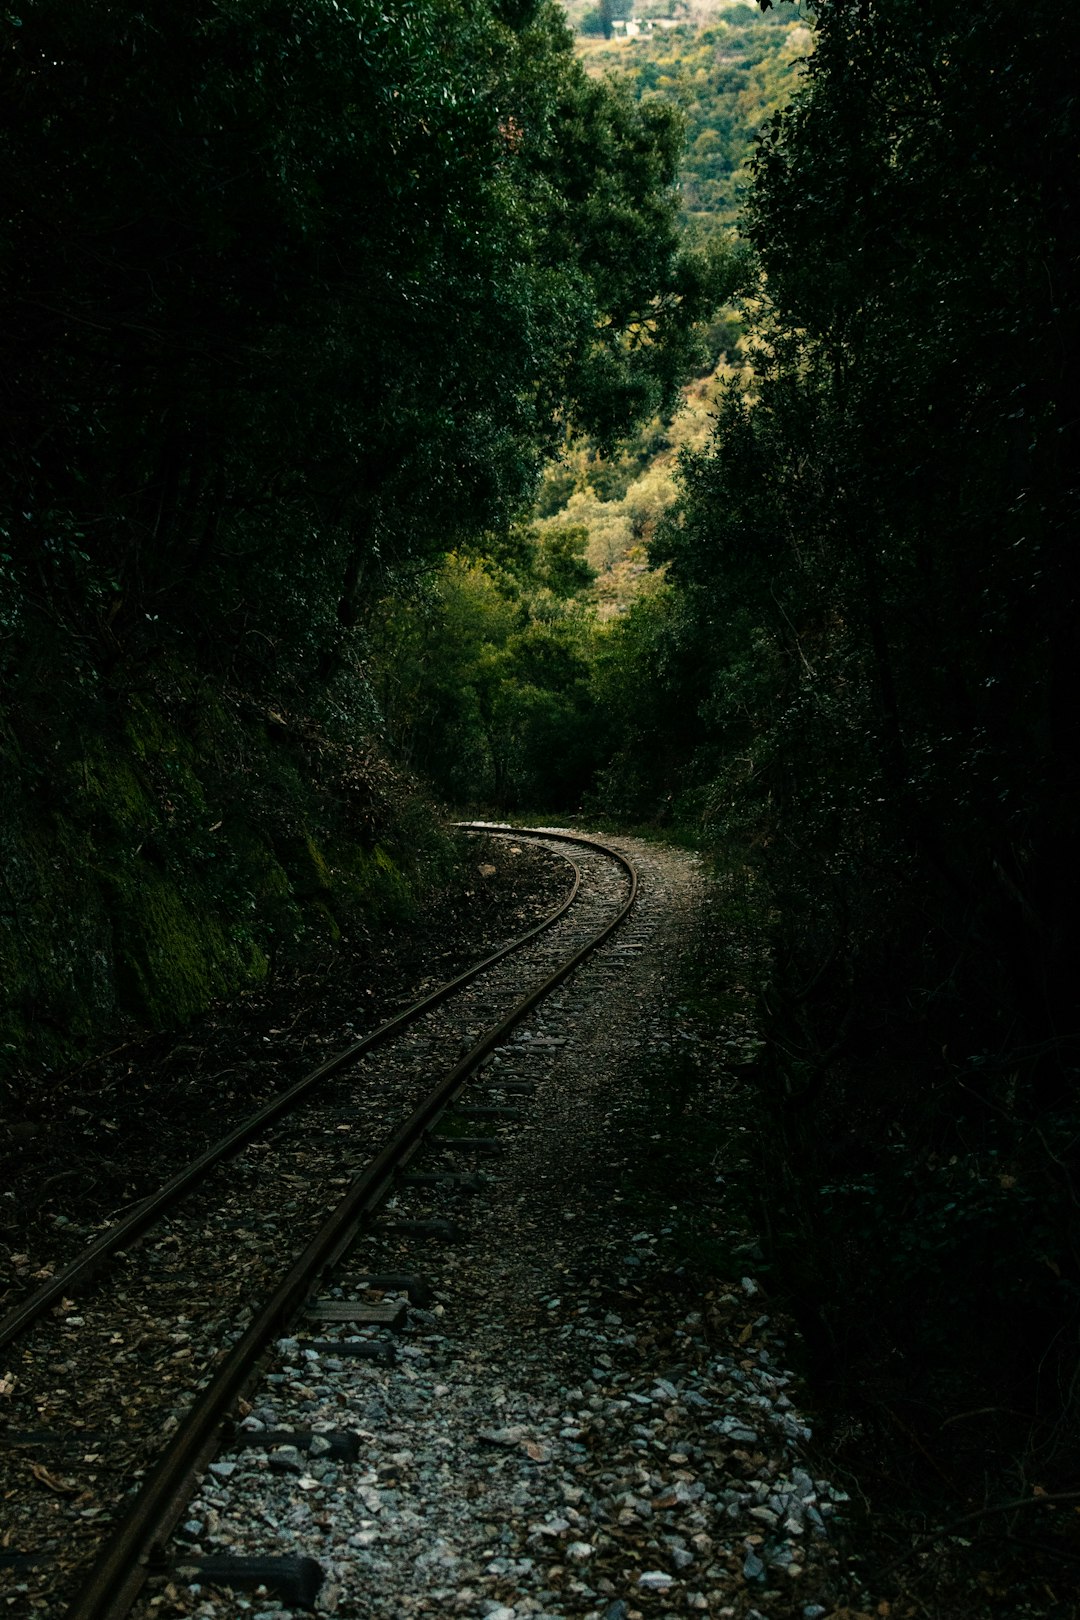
{"x": 95, "y": 1477}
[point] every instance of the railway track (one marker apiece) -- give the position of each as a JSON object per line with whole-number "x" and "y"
{"x": 97, "y": 1470}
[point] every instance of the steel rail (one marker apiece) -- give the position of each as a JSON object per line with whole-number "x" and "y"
{"x": 150, "y": 1209}
{"x": 125, "y": 1563}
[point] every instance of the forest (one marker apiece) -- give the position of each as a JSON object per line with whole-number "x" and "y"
{"x": 298, "y": 299}
{"x": 424, "y": 404}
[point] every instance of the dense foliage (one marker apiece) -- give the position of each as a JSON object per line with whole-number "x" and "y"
{"x": 483, "y": 672}
{"x": 727, "y": 79}
{"x": 446, "y": 653}
{"x": 724, "y": 75}
{"x": 297, "y": 297}
{"x": 293, "y": 289}
{"x": 875, "y": 599}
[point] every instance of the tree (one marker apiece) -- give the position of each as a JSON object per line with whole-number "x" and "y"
{"x": 297, "y": 291}
{"x": 875, "y": 561}
{"x": 484, "y": 673}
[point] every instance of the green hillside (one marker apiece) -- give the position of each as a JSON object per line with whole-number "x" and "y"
{"x": 727, "y": 68}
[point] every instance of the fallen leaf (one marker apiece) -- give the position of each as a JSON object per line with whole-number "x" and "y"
{"x": 7, "y": 1383}
{"x": 43, "y": 1476}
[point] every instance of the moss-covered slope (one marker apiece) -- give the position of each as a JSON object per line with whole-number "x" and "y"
{"x": 163, "y": 847}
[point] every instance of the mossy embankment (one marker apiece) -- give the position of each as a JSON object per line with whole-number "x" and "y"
{"x": 164, "y": 845}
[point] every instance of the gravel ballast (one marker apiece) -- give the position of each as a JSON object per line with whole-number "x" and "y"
{"x": 96, "y": 1384}
{"x": 576, "y": 1421}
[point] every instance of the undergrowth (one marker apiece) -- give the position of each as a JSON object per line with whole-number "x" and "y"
{"x": 924, "y": 1242}
{"x": 170, "y": 844}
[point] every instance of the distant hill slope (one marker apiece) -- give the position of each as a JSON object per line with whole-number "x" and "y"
{"x": 725, "y": 64}
{"x": 728, "y": 67}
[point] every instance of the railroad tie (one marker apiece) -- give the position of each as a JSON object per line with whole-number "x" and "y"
{"x": 443, "y": 1181}
{"x": 488, "y": 1111}
{"x": 442, "y": 1231}
{"x": 389, "y": 1315}
{"x": 380, "y": 1350}
{"x": 297, "y": 1581}
{"x": 465, "y": 1144}
{"x": 419, "y": 1289}
{"x": 337, "y": 1445}
{"x": 23, "y": 1560}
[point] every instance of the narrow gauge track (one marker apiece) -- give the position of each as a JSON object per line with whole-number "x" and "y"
{"x": 85, "y": 1265}
{"x": 182, "y": 1345}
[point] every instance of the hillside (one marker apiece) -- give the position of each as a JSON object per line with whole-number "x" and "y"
{"x": 503, "y": 678}
{"x": 726, "y": 68}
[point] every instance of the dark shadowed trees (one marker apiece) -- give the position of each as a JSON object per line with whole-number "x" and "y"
{"x": 294, "y": 291}
{"x": 876, "y": 566}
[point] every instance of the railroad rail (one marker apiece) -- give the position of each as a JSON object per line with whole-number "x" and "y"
{"x": 552, "y": 949}
{"x": 150, "y": 1210}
